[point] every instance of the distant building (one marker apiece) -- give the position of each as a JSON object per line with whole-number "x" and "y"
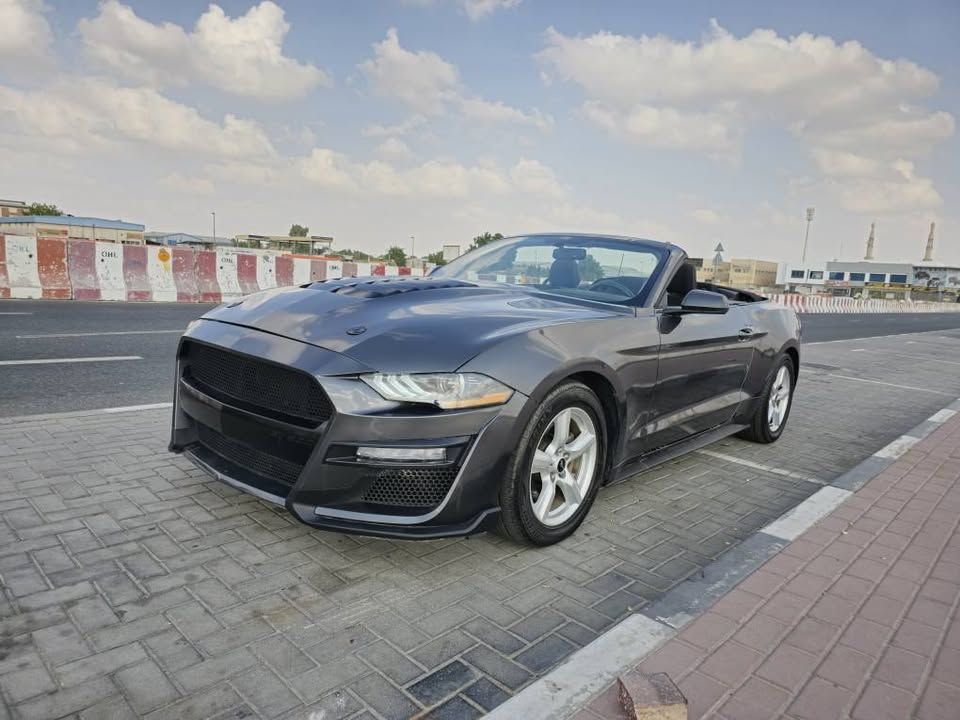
{"x": 804, "y": 278}
{"x": 752, "y": 273}
{"x": 181, "y": 238}
{"x": 70, "y": 226}
{"x": 868, "y": 279}
{"x": 716, "y": 273}
{"x": 312, "y": 245}
{"x": 10, "y": 208}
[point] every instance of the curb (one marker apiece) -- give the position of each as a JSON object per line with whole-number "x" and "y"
{"x": 566, "y": 688}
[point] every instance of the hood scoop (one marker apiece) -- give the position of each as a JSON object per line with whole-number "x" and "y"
{"x": 385, "y": 287}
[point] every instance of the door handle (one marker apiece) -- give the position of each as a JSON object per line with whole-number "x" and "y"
{"x": 745, "y": 333}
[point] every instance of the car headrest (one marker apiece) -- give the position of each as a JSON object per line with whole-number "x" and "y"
{"x": 684, "y": 280}
{"x": 564, "y": 273}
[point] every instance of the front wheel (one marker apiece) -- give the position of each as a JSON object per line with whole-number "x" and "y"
{"x": 771, "y": 415}
{"x": 557, "y": 468}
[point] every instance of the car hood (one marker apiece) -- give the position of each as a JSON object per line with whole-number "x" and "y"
{"x": 405, "y": 324}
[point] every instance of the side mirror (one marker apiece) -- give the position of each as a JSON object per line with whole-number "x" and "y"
{"x": 700, "y": 301}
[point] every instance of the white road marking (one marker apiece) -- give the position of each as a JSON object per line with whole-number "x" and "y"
{"x": 942, "y": 415}
{"x": 97, "y": 334}
{"x": 880, "y": 382}
{"x": 585, "y": 673}
{"x": 858, "y": 350}
{"x": 761, "y": 466}
{"x": 879, "y": 337}
{"x": 53, "y": 361}
{"x": 919, "y": 357}
{"x": 135, "y": 408}
{"x": 794, "y": 523}
{"x": 15, "y": 313}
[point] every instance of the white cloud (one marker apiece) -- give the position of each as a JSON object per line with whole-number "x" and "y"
{"x": 422, "y": 80}
{"x": 667, "y": 128}
{"x": 856, "y": 112}
{"x": 24, "y": 31}
{"x": 329, "y": 169}
{"x": 190, "y": 185}
{"x": 429, "y": 85}
{"x": 534, "y": 177}
{"x": 395, "y": 148}
{"x": 242, "y": 56}
{"x": 706, "y": 216}
{"x": 479, "y": 9}
{"x": 401, "y": 128}
{"x": 70, "y": 114}
{"x": 894, "y": 190}
{"x": 438, "y": 178}
{"x": 489, "y": 111}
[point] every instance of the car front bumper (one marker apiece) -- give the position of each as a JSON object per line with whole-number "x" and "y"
{"x": 314, "y": 471}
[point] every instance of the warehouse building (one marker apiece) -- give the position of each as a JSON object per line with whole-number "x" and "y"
{"x": 72, "y": 227}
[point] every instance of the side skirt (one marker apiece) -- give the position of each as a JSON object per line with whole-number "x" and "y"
{"x": 658, "y": 457}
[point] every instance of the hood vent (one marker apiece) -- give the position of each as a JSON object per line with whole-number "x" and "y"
{"x": 384, "y": 287}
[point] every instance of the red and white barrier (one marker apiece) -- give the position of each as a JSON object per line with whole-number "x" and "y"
{"x": 86, "y": 270}
{"x": 160, "y": 277}
{"x": 821, "y": 304}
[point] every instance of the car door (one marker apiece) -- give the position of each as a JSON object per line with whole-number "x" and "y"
{"x": 703, "y": 361}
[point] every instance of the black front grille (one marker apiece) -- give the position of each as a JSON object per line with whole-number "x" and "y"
{"x": 410, "y": 487}
{"x": 247, "y": 382}
{"x": 248, "y": 458}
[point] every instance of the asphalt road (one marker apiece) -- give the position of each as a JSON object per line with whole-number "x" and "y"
{"x": 146, "y": 335}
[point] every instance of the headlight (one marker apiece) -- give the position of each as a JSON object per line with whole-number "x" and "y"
{"x": 449, "y": 391}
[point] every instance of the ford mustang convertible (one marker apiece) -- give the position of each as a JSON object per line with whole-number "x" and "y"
{"x": 498, "y": 393}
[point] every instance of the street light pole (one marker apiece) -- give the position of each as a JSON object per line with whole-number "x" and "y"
{"x": 214, "y": 214}
{"x": 413, "y": 241}
{"x": 806, "y": 237}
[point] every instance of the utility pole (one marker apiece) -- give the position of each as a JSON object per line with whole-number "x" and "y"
{"x": 214, "y": 214}
{"x": 806, "y": 237}
{"x": 413, "y": 241}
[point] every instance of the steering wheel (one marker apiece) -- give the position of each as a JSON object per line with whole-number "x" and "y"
{"x": 617, "y": 287}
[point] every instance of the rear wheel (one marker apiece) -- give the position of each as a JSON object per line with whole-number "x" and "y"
{"x": 771, "y": 415}
{"x": 556, "y": 470}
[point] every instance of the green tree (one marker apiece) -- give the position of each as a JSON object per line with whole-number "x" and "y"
{"x": 590, "y": 269}
{"x": 298, "y": 230}
{"x": 396, "y": 255}
{"x": 436, "y": 258}
{"x": 39, "y": 208}
{"x": 480, "y": 240}
{"x": 357, "y": 255}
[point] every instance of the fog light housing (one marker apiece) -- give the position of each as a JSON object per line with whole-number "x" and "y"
{"x": 402, "y": 454}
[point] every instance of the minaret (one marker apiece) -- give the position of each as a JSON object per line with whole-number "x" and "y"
{"x": 928, "y": 255}
{"x": 869, "y": 255}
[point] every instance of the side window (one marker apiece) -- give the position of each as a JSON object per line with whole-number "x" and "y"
{"x": 683, "y": 281}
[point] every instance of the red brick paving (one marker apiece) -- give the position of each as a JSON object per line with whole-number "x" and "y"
{"x": 857, "y": 618}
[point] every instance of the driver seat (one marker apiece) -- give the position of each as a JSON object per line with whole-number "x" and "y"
{"x": 683, "y": 281}
{"x": 564, "y": 273}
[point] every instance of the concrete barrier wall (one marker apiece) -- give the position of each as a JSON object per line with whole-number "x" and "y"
{"x": 87, "y": 270}
{"x": 824, "y": 304}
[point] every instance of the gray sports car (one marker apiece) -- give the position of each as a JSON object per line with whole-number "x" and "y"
{"x": 500, "y": 392}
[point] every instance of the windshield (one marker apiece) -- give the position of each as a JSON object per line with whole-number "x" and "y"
{"x": 594, "y": 268}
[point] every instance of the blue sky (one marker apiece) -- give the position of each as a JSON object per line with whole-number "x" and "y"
{"x": 372, "y": 121}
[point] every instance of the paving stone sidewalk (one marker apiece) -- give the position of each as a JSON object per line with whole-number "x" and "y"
{"x": 857, "y": 618}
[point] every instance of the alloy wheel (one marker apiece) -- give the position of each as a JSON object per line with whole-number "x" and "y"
{"x": 564, "y": 466}
{"x": 779, "y": 400}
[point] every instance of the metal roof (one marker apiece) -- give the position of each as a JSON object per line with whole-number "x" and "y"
{"x": 72, "y": 220}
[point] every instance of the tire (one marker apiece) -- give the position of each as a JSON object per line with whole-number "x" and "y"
{"x": 761, "y": 429}
{"x": 534, "y": 507}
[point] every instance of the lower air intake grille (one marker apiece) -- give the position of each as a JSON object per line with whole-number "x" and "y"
{"x": 410, "y": 487}
{"x": 248, "y": 458}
